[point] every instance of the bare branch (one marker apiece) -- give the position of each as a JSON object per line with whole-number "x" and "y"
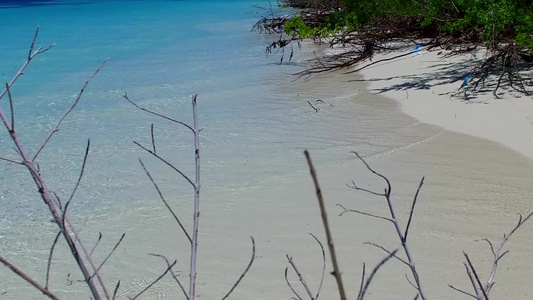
{"x": 394, "y": 220}
{"x": 386, "y": 251}
{"x": 389, "y": 188}
{"x": 110, "y": 253}
{"x": 316, "y": 109}
{"x": 461, "y": 291}
{"x": 76, "y": 101}
{"x": 155, "y": 281}
{"x": 245, "y": 270}
{"x": 11, "y": 107}
{"x": 323, "y": 265}
{"x": 173, "y": 275}
{"x": 471, "y": 267}
{"x": 153, "y": 138}
{"x": 289, "y": 284}
{"x": 27, "y": 62}
{"x": 116, "y": 291}
{"x": 49, "y": 265}
{"x": 300, "y": 277}
{"x": 28, "y": 279}
{"x": 363, "y": 213}
{"x": 361, "y": 285}
{"x": 81, "y": 171}
{"x": 166, "y": 162}
{"x": 156, "y": 114}
{"x": 165, "y": 202}
{"x": 96, "y": 244}
{"x": 355, "y": 187}
{"x": 412, "y": 209}
{"x": 10, "y": 160}
{"x": 374, "y": 271}
{"x": 336, "y": 271}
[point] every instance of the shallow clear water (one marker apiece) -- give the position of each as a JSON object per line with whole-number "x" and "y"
{"x": 256, "y": 123}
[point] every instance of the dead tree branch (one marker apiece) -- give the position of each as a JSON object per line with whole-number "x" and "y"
{"x": 336, "y": 271}
{"x": 58, "y": 213}
{"x": 482, "y": 291}
{"x": 28, "y": 279}
{"x": 402, "y": 234}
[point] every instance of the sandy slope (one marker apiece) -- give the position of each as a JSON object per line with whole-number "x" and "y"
{"x": 424, "y": 83}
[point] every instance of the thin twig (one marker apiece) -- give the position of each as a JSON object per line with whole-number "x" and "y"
{"x": 153, "y": 137}
{"x": 166, "y": 162}
{"x": 289, "y": 284}
{"x": 363, "y": 213}
{"x": 49, "y": 265}
{"x": 461, "y": 291}
{"x": 116, "y": 291}
{"x": 165, "y": 201}
{"x": 111, "y": 253}
{"x": 336, "y": 271}
{"x": 155, "y": 281}
{"x": 316, "y": 109}
{"x": 412, "y": 209}
{"x": 323, "y": 265}
{"x": 125, "y": 96}
{"x": 10, "y": 160}
{"x": 245, "y": 270}
{"x": 96, "y": 244}
{"x": 11, "y": 107}
{"x": 386, "y": 251}
{"x": 361, "y": 285}
{"x": 87, "y": 149}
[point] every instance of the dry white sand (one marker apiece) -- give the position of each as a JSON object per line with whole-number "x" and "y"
{"x": 423, "y": 85}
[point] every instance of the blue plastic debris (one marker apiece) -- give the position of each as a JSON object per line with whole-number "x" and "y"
{"x": 417, "y": 48}
{"x": 467, "y": 80}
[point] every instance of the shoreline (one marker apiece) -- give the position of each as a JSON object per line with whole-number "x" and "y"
{"x": 422, "y": 85}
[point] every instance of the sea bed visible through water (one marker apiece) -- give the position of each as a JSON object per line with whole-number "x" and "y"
{"x": 256, "y": 123}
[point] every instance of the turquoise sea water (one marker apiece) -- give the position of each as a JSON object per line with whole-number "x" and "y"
{"x": 256, "y": 122}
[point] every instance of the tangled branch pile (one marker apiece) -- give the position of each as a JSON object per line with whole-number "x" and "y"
{"x": 503, "y": 27}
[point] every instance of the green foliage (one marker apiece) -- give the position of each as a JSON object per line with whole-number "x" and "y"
{"x": 492, "y": 21}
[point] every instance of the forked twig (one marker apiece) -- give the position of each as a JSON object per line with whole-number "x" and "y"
{"x": 402, "y": 234}
{"x": 301, "y": 278}
{"x": 76, "y": 101}
{"x": 483, "y": 291}
{"x": 173, "y": 275}
{"x": 155, "y": 281}
{"x": 374, "y": 271}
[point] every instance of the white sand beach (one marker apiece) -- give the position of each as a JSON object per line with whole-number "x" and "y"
{"x": 424, "y": 84}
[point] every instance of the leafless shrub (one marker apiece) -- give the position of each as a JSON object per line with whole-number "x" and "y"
{"x": 481, "y": 290}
